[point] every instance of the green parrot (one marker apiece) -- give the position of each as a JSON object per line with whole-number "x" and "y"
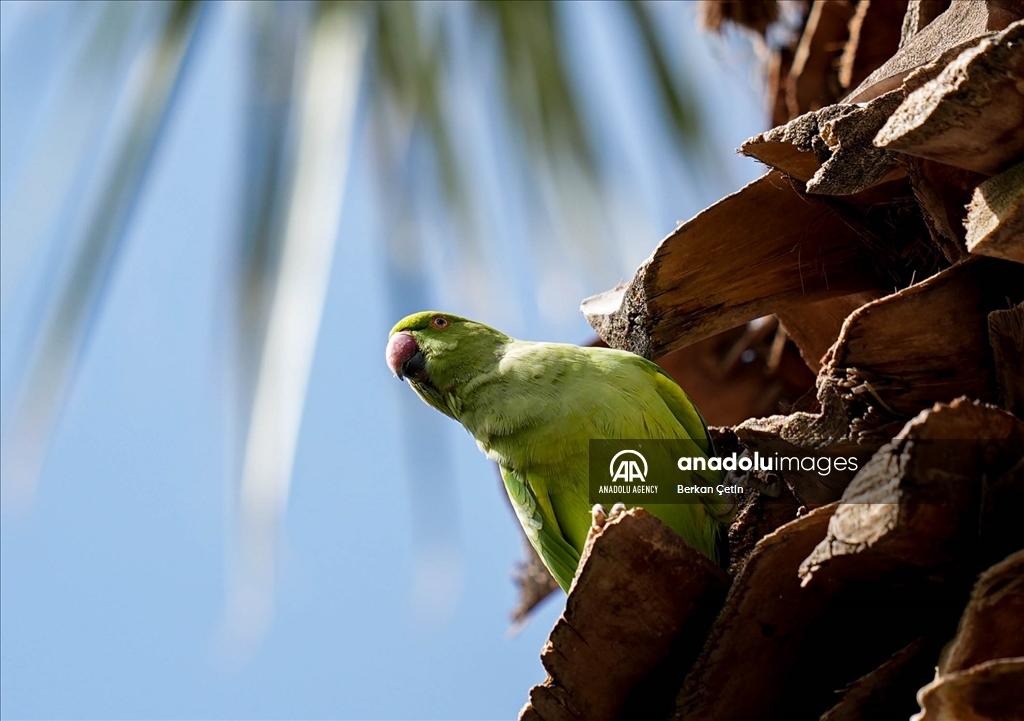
{"x": 532, "y": 408}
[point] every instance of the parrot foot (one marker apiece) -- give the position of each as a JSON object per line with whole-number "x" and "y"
{"x": 599, "y": 516}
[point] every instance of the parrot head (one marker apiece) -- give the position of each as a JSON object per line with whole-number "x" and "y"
{"x": 437, "y": 352}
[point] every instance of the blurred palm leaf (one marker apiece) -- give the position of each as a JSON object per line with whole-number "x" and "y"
{"x": 75, "y": 301}
{"x": 307, "y": 64}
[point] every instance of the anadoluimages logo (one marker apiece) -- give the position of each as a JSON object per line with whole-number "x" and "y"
{"x": 627, "y": 469}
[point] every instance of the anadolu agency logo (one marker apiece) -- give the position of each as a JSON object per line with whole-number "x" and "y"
{"x": 681, "y": 470}
{"x": 628, "y": 471}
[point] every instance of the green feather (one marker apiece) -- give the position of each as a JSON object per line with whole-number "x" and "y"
{"x": 541, "y": 527}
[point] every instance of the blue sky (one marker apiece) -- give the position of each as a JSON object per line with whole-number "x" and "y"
{"x": 113, "y": 579}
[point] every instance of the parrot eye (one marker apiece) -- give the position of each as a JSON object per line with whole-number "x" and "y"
{"x": 439, "y": 322}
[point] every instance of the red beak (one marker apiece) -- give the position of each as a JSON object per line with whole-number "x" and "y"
{"x": 401, "y": 348}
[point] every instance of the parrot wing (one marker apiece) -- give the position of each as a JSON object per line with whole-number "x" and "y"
{"x": 537, "y": 517}
{"x": 684, "y": 410}
{"x": 693, "y": 423}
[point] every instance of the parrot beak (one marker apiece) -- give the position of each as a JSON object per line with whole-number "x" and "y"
{"x": 405, "y": 358}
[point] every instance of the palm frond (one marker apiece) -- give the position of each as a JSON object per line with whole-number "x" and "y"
{"x": 330, "y": 71}
{"x": 66, "y": 331}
